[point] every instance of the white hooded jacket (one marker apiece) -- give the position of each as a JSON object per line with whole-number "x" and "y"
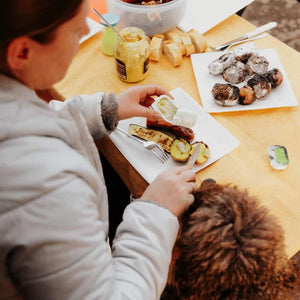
{"x": 54, "y": 211}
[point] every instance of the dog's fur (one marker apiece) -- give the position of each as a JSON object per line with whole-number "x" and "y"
{"x": 230, "y": 247}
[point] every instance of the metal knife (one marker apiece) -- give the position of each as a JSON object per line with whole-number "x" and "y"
{"x": 194, "y": 156}
{"x": 250, "y": 34}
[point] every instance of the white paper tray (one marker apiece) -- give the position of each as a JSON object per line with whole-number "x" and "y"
{"x": 206, "y": 129}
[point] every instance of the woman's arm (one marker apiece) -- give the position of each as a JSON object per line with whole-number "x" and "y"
{"x": 102, "y": 112}
{"x": 64, "y": 253}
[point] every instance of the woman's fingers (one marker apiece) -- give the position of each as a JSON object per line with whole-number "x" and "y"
{"x": 153, "y": 90}
{"x": 189, "y": 198}
{"x": 148, "y": 101}
{"x": 179, "y": 170}
{"x": 187, "y": 174}
{"x": 149, "y": 113}
{"x": 192, "y": 187}
{"x": 173, "y": 189}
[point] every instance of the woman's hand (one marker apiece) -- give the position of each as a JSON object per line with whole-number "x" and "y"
{"x": 173, "y": 189}
{"x": 135, "y": 102}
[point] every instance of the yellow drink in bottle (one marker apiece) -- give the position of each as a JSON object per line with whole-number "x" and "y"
{"x": 109, "y": 36}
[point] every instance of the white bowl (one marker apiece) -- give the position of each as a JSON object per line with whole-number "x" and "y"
{"x": 152, "y": 19}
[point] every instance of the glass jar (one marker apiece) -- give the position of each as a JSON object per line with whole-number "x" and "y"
{"x": 132, "y": 55}
{"x": 109, "y": 35}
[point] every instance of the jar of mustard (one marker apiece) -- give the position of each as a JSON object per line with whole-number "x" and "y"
{"x": 132, "y": 55}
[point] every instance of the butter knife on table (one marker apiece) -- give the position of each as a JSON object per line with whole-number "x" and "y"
{"x": 248, "y": 35}
{"x": 194, "y": 156}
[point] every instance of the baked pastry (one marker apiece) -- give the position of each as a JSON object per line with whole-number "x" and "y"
{"x": 225, "y": 94}
{"x": 275, "y": 77}
{"x": 221, "y": 63}
{"x": 257, "y": 65}
{"x": 247, "y": 95}
{"x": 235, "y": 73}
{"x": 198, "y": 41}
{"x": 172, "y": 52}
{"x": 155, "y": 47}
{"x": 260, "y": 85}
{"x": 244, "y": 52}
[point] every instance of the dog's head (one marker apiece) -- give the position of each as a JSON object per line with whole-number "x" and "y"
{"x": 230, "y": 247}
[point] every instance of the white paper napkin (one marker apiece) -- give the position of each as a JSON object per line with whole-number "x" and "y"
{"x": 94, "y": 28}
{"x": 203, "y": 15}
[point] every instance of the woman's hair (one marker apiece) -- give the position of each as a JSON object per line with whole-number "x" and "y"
{"x": 34, "y": 18}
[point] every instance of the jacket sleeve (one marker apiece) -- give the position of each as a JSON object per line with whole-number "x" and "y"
{"x": 99, "y": 110}
{"x": 141, "y": 243}
{"x": 63, "y": 253}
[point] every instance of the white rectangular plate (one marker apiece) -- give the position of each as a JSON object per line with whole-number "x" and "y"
{"x": 281, "y": 96}
{"x": 203, "y": 15}
{"x": 206, "y": 129}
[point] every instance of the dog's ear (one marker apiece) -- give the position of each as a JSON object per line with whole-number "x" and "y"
{"x": 196, "y": 204}
{"x": 208, "y": 183}
{"x": 208, "y": 180}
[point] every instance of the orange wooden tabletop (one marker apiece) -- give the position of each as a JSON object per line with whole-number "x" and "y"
{"x": 248, "y": 165}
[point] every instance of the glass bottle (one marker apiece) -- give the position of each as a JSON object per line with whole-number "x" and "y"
{"x": 132, "y": 55}
{"x": 109, "y": 36}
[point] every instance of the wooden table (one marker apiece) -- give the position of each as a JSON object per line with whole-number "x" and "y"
{"x": 247, "y": 166}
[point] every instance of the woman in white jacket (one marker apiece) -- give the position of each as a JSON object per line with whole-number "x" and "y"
{"x": 53, "y": 200}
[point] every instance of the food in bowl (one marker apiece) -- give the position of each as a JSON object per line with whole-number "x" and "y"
{"x": 146, "y": 2}
{"x": 152, "y": 19}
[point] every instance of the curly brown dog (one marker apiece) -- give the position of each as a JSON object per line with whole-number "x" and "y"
{"x": 230, "y": 247}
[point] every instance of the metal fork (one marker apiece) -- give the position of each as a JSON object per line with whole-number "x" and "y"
{"x": 239, "y": 42}
{"x": 149, "y": 145}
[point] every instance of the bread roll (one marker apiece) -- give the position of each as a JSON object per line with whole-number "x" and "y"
{"x": 156, "y": 47}
{"x": 189, "y": 47}
{"x": 198, "y": 41}
{"x": 148, "y": 39}
{"x": 172, "y": 52}
{"x": 174, "y": 36}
